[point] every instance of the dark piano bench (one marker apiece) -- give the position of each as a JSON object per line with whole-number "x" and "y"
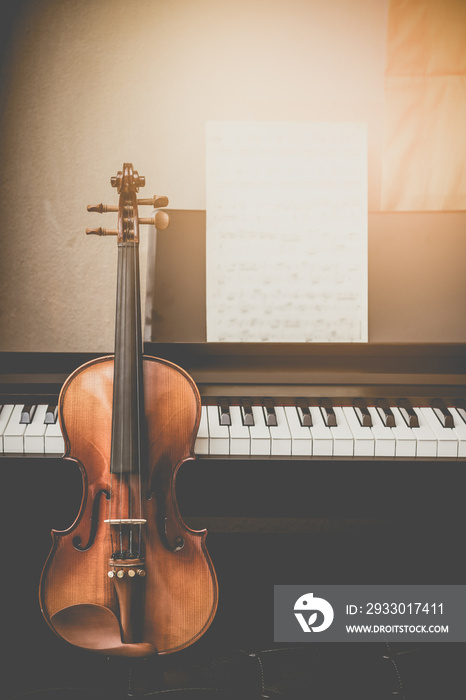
{"x": 429, "y": 671}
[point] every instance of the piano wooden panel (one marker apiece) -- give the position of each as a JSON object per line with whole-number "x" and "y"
{"x": 417, "y": 286}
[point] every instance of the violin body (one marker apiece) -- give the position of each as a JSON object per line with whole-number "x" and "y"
{"x": 128, "y": 577}
{"x": 175, "y": 601}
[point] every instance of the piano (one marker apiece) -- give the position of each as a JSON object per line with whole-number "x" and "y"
{"x": 301, "y": 501}
{"x": 287, "y": 431}
{"x": 295, "y": 402}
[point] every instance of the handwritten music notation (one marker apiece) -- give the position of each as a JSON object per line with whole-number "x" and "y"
{"x": 286, "y": 232}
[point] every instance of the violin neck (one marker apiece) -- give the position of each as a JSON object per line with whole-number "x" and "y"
{"x": 128, "y": 389}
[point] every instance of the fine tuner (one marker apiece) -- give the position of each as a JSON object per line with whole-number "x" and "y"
{"x": 131, "y": 573}
{"x": 161, "y": 219}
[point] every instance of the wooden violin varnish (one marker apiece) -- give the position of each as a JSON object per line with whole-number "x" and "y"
{"x": 128, "y": 577}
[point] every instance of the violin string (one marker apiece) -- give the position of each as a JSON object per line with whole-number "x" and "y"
{"x": 113, "y": 506}
{"x": 129, "y": 265}
{"x": 129, "y": 448}
{"x": 123, "y": 362}
{"x": 110, "y": 500}
{"x": 113, "y": 446}
{"x": 139, "y": 378}
{"x": 130, "y": 479}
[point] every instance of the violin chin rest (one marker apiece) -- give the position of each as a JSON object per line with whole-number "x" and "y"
{"x": 96, "y": 627}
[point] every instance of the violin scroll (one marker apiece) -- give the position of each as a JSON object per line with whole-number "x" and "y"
{"x": 127, "y": 183}
{"x": 127, "y": 180}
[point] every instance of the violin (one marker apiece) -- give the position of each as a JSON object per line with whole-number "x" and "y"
{"x": 128, "y": 577}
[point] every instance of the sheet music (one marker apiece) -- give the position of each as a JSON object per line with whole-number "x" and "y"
{"x": 286, "y": 232}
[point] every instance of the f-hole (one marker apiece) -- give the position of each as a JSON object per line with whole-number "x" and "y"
{"x": 94, "y": 523}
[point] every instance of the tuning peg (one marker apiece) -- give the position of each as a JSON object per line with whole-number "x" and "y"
{"x": 161, "y": 220}
{"x": 155, "y": 201}
{"x": 116, "y": 180}
{"x": 102, "y": 231}
{"x": 102, "y": 208}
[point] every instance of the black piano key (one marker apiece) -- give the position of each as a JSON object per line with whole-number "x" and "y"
{"x": 328, "y": 414}
{"x": 27, "y": 414}
{"x": 246, "y": 412}
{"x": 270, "y": 415}
{"x": 410, "y": 416}
{"x": 460, "y": 405}
{"x": 224, "y": 412}
{"x": 362, "y": 413}
{"x": 385, "y": 413}
{"x": 304, "y": 413}
{"x": 443, "y": 414}
{"x": 51, "y": 415}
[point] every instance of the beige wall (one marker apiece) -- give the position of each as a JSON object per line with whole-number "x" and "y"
{"x": 88, "y": 84}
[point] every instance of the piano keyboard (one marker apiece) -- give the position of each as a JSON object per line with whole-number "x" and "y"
{"x": 330, "y": 430}
{"x": 30, "y": 429}
{"x": 387, "y": 429}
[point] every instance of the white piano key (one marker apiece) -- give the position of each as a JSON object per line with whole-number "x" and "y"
{"x": 54, "y": 443}
{"x": 13, "y": 440}
{"x": 260, "y": 433}
{"x": 5, "y": 415}
{"x": 447, "y": 441}
{"x": 322, "y": 441}
{"x": 426, "y": 442}
{"x": 201, "y": 446}
{"x": 34, "y": 436}
{"x": 301, "y": 440}
{"x": 239, "y": 434}
{"x": 460, "y": 430}
{"x": 280, "y": 435}
{"x": 219, "y": 436}
{"x": 364, "y": 443}
{"x": 385, "y": 443}
{"x": 343, "y": 444}
{"x": 405, "y": 441}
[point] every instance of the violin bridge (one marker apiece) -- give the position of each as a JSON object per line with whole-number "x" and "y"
{"x": 126, "y": 521}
